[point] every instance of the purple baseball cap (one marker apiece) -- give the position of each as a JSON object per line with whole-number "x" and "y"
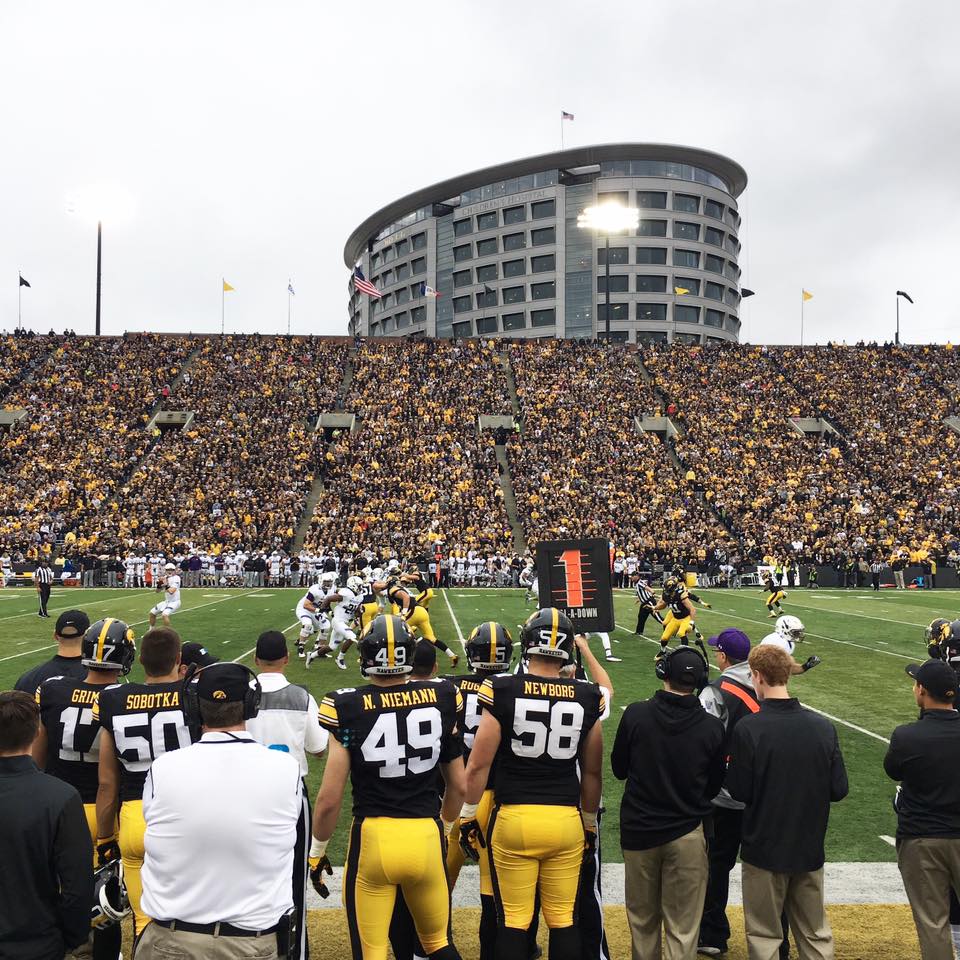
{"x": 733, "y": 642}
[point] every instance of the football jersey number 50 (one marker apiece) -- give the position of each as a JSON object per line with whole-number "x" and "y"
{"x": 424, "y": 727}
{"x": 137, "y": 753}
{"x": 557, "y": 734}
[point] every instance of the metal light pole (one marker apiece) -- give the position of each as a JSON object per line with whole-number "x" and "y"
{"x": 99, "y": 263}
{"x": 906, "y": 296}
{"x": 606, "y": 257}
{"x": 608, "y": 218}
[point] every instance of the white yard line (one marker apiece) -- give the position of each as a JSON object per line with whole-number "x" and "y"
{"x": 887, "y": 839}
{"x": 247, "y": 653}
{"x": 52, "y": 610}
{"x": 846, "y": 723}
{"x": 456, "y": 623}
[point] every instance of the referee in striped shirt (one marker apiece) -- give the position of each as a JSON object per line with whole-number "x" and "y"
{"x": 647, "y": 600}
{"x": 43, "y": 578}
{"x": 875, "y": 570}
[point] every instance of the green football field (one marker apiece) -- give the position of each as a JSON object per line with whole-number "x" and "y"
{"x": 864, "y": 638}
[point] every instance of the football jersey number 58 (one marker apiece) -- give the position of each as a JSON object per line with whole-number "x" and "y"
{"x": 423, "y": 728}
{"x": 545, "y": 728}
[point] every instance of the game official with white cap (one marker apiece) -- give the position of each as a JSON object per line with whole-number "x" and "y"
{"x": 221, "y": 821}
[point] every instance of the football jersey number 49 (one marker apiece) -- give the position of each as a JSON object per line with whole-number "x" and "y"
{"x": 420, "y": 751}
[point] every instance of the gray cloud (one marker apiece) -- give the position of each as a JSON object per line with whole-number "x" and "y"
{"x": 256, "y": 135}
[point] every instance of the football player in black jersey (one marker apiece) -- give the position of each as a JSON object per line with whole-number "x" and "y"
{"x": 390, "y": 738}
{"x": 404, "y": 602}
{"x": 139, "y": 722}
{"x": 68, "y": 746}
{"x": 680, "y": 614}
{"x": 542, "y": 730}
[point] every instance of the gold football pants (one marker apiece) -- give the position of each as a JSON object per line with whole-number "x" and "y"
{"x": 132, "y": 829}
{"x": 386, "y": 853}
{"x": 675, "y": 627}
{"x": 536, "y": 846}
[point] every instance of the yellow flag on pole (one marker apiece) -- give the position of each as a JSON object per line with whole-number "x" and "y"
{"x": 226, "y": 287}
{"x": 807, "y": 296}
{"x": 680, "y": 291}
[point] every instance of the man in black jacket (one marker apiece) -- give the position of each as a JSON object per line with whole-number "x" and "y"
{"x": 786, "y": 767}
{"x": 925, "y": 757}
{"x": 670, "y": 752}
{"x": 46, "y": 884}
{"x": 68, "y": 633}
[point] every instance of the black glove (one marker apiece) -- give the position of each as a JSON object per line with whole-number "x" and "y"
{"x": 589, "y": 844}
{"x": 811, "y": 662}
{"x": 107, "y": 851}
{"x": 318, "y": 867}
{"x": 471, "y": 839}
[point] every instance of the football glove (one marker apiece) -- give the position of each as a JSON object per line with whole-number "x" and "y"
{"x": 107, "y": 851}
{"x": 811, "y": 662}
{"x": 318, "y": 867}
{"x": 471, "y": 839}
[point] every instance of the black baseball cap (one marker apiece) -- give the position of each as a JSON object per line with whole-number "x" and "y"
{"x": 271, "y": 645}
{"x": 424, "y": 657}
{"x": 223, "y": 683}
{"x": 72, "y": 624}
{"x": 196, "y": 653}
{"x": 687, "y": 668}
{"x": 937, "y": 676}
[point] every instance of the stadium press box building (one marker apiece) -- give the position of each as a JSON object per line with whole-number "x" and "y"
{"x": 498, "y": 252}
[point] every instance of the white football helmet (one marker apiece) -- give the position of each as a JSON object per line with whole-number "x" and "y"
{"x": 377, "y": 573}
{"x": 355, "y": 584}
{"x": 328, "y": 579}
{"x": 790, "y": 628}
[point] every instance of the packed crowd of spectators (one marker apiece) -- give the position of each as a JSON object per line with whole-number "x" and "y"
{"x": 87, "y": 405}
{"x": 417, "y": 476}
{"x": 416, "y": 471}
{"x": 582, "y": 468}
{"x": 241, "y": 471}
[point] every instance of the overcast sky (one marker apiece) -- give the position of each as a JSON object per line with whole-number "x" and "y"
{"x": 247, "y": 139}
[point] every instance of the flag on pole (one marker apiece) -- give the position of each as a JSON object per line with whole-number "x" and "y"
{"x": 23, "y": 283}
{"x": 807, "y": 295}
{"x": 227, "y": 288}
{"x": 900, "y": 293}
{"x": 290, "y": 288}
{"x": 363, "y": 285}
{"x": 680, "y": 291}
{"x": 427, "y": 291}
{"x": 565, "y": 116}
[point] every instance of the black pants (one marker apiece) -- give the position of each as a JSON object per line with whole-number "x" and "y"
{"x": 593, "y": 938}
{"x": 44, "y": 591}
{"x": 875, "y": 577}
{"x": 722, "y": 850}
{"x": 644, "y": 614}
{"x": 299, "y": 949}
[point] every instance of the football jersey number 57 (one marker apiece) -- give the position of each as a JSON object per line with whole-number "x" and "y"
{"x": 545, "y": 728}
{"x": 423, "y": 729}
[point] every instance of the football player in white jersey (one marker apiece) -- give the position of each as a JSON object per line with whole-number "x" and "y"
{"x": 788, "y": 632}
{"x": 129, "y": 571}
{"x": 170, "y": 603}
{"x": 312, "y": 620}
{"x": 348, "y": 601}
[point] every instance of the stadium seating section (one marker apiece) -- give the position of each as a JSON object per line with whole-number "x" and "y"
{"x": 82, "y": 467}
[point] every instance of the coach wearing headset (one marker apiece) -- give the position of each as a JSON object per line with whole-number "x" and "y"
{"x": 670, "y": 752}
{"x": 221, "y": 821}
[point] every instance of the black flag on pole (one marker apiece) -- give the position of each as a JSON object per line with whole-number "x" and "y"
{"x": 23, "y": 283}
{"x": 905, "y": 295}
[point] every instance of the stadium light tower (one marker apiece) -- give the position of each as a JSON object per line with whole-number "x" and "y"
{"x": 607, "y": 218}
{"x": 99, "y": 203}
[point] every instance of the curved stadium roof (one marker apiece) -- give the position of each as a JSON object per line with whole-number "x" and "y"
{"x": 729, "y": 170}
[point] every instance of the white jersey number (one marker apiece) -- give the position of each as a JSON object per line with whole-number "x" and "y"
{"x": 382, "y": 744}
{"x": 557, "y": 734}
{"x": 137, "y": 753}
{"x": 71, "y": 718}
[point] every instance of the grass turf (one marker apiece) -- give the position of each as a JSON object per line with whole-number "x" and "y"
{"x": 865, "y": 640}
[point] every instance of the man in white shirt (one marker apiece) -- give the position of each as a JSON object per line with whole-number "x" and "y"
{"x": 221, "y": 827}
{"x": 289, "y": 720}
{"x": 170, "y": 603}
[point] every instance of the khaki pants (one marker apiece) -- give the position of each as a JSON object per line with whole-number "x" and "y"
{"x": 930, "y": 866}
{"x": 766, "y": 895}
{"x": 898, "y": 579}
{"x": 160, "y": 943}
{"x": 665, "y": 886}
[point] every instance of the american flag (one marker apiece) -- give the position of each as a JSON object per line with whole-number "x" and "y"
{"x": 363, "y": 285}
{"x": 565, "y": 116}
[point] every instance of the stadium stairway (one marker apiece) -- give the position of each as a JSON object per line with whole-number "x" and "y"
{"x": 306, "y": 515}
{"x": 512, "y": 387}
{"x": 26, "y": 374}
{"x": 347, "y": 379}
{"x": 509, "y": 500}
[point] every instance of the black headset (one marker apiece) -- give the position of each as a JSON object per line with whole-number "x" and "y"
{"x": 663, "y": 665}
{"x": 191, "y": 696}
